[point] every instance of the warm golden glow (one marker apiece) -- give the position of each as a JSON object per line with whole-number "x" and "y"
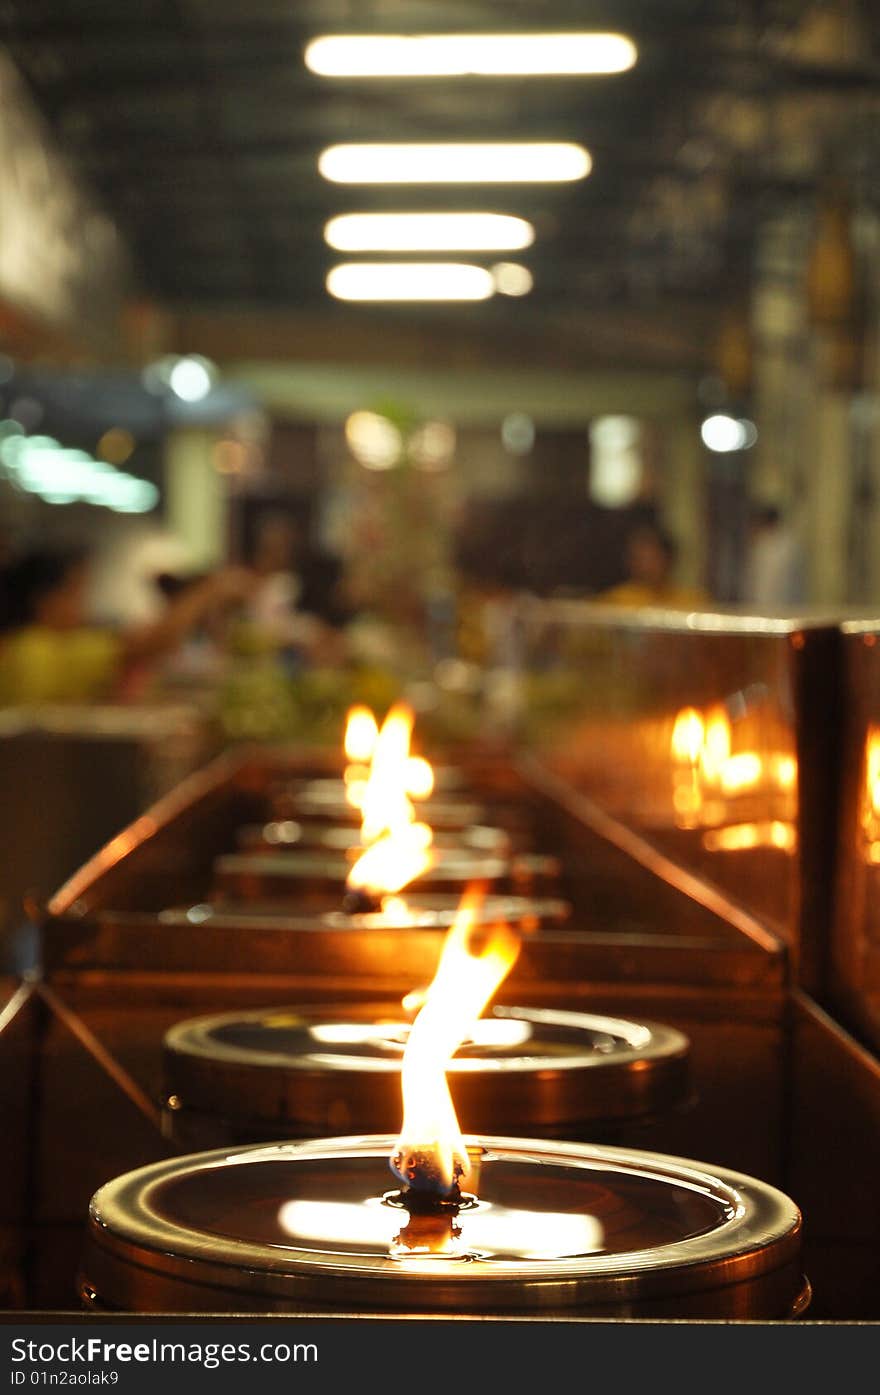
{"x": 396, "y": 911}
{"x": 490, "y": 1229}
{"x": 386, "y": 804}
{"x": 716, "y": 743}
{"x": 430, "y": 1151}
{"x": 741, "y": 772}
{"x": 361, "y": 733}
{"x": 397, "y": 848}
{"x": 872, "y": 771}
{"x": 394, "y": 860}
{"x": 419, "y": 777}
{"x": 738, "y": 837}
{"x": 687, "y": 735}
{"x": 784, "y": 772}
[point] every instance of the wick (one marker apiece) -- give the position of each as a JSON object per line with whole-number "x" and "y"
{"x": 360, "y": 902}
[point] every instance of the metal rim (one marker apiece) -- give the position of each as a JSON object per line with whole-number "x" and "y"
{"x": 761, "y": 1235}
{"x": 643, "y": 1076}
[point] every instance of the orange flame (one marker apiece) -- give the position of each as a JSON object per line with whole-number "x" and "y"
{"x": 430, "y": 1154}
{"x": 395, "y": 859}
{"x": 361, "y": 733}
{"x": 397, "y": 847}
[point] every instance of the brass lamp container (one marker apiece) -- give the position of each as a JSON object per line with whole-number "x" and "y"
{"x": 248, "y": 1077}
{"x": 557, "y": 1229}
{"x": 317, "y": 879}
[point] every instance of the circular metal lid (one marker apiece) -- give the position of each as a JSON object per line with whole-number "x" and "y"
{"x": 286, "y": 834}
{"x": 424, "y": 911}
{"x": 326, "y": 800}
{"x": 452, "y": 865}
{"x": 320, "y": 1067}
{"x": 556, "y": 1225}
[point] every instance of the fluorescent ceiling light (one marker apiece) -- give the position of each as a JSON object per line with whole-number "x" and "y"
{"x": 469, "y": 163}
{"x": 410, "y": 281}
{"x": 428, "y": 232}
{"x": 512, "y": 279}
{"x": 458, "y": 55}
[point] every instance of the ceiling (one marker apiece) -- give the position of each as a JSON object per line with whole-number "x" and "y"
{"x": 198, "y": 127}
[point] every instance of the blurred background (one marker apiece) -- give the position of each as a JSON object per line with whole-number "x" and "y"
{"x": 295, "y": 412}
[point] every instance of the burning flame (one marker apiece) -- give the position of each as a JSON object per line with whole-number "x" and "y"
{"x": 361, "y": 733}
{"x": 396, "y": 859}
{"x": 397, "y": 847}
{"x": 430, "y": 1155}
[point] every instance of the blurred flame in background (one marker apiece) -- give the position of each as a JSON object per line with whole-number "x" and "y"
{"x": 397, "y": 847}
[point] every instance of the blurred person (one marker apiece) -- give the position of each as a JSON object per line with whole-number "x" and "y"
{"x": 775, "y": 572}
{"x": 277, "y": 608}
{"x": 51, "y": 653}
{"x": 650, "y": 555}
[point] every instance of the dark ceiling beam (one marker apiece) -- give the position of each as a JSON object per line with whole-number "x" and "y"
{"x": 337, "y": 334}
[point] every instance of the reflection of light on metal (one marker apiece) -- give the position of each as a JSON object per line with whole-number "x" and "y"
{"x": 783, "y": 771}
{"x": 464, "y": 55}
{"x": 396, "y": 911}
{"x": 499, "y": 1033}
{"x": 687, "y": 735}
{"x": 741, "y": 772}
{"x": 488, "y": 1229}
{"x": 409, "y": 281}
{"x": 772, "y": 833}
{"x": 281, "y": 831}
{"x": 470, "y": 162}
{"x": 686, "y": 799}
{"x": 430, "y": 1153}
{"x": 428, "y": 232}
{"x": 374, "y": 441}
{"x": 870, "y": 800}
{"x": 716, "y": 743}
{"x": 512, "y": 279}
{"x": 872, "y": 770}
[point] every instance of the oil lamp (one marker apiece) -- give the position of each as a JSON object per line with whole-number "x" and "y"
{"x": 381, "y": 781}
{"x": 488, "y": 1225}
{"x": 392, "y": 848}
{"x": 259, "y": 1075}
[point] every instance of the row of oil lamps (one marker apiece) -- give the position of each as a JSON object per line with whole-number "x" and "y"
{"x": 379, "y": 1199}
